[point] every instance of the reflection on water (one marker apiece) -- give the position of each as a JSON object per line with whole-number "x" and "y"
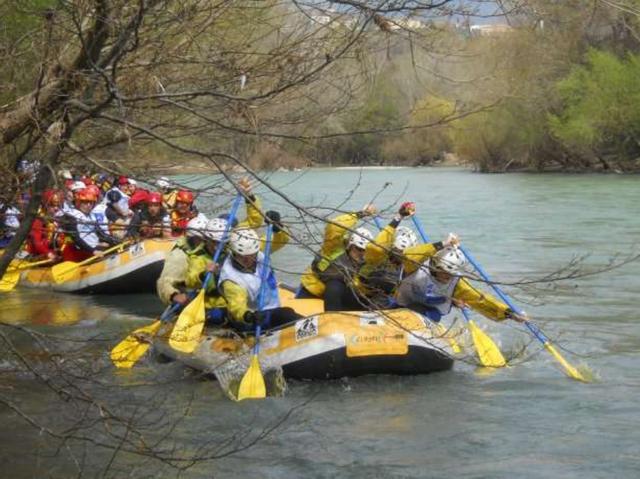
{"x": 24, "y": 306}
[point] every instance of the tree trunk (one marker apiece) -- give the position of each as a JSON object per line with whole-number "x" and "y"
{"x": 43, "y": 180}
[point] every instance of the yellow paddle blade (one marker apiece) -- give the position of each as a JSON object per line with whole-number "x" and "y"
{"x": 252, "y": 385}
{"x": 128, "y": 351}
{"x": 188, "y": 328}
{"x": 570, "y": 370}
{"x": 9, "y": 280}
{"x": 64, "y": 271}
{"x": 488, "y": 352}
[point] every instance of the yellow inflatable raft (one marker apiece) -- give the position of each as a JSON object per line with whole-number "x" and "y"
{"x": 134, "y": 270}
{"x": 329, "y": 345}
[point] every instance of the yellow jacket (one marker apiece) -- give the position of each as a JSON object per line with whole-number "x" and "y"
{"x": 183, "y": 265}
{"x": 236, "y": 295}
{"x": 332, "y": 247}
{"x": 176, "y": 264}
{"x": 254, "y": 217}
{"x": 379, "y": 273}
{"x": 195, "y": 275}
{"x": 480, "y": 301}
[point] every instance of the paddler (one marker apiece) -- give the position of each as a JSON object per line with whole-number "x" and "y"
{"x": 439, "y": 284}
{"x": 332, "y": 273}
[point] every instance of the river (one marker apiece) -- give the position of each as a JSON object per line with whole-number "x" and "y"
{"x": 526, "y": 421}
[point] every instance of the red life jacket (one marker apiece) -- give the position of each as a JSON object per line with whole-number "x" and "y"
{"x": 40, "y": 241}
{"x": 179, "y": 222}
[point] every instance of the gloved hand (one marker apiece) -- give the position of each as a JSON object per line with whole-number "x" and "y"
{"x": 245, "y": 185}
{"x": 254, "y": 317}
{"x": 273, "y": 218}
{"x": 407, "y": 208}
{"x": 519, "y": 317}
{"x": 452, "y": 241}
{"x": 181, "y": 298}
{"x": 367, "y": 210}
{"x": 458, "y": 303}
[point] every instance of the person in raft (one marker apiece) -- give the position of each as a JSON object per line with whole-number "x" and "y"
{"x": 439, "y": 284}
{"x": 240, "y": 282}
{"x": 202, "y": 263}
{"x": 331, "y": 275}
{"x": 83, "y": 236}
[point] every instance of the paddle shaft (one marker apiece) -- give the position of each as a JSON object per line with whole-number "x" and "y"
{"x": 20, "y": 267}
{"x": 530, "y": 326}
{"x": 62, "y": 270}
{"x": 169, "y": 312}
{"x": 225, "y": 235}
{"x": 265, "y": 274}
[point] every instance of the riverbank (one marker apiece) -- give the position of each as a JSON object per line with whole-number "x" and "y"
{"x": 272, "y": 159}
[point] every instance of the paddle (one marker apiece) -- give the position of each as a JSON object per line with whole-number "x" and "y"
{"x": 252, "y": 385}
{"x": 12, "y": 275}
{"x": 571, "y": 371}
{"x": 128, "y": 351}
{"x": 188, "y": 328}
{"x": 488, "y": 352}
{"x": 66, "y": 270}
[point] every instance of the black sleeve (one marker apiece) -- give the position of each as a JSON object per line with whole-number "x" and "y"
{"x": 105, "y": 238}
{"x": 71, "y": 228}
{"x": 134, "y": 226}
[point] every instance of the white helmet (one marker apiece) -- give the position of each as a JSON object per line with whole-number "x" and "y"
{"x": 163, "y": 182}
{"x": 215, "y": 229}
{"x": 77, "y": 185}
{"x": 244, "y": 242}
{"x": 449, "y": 260}
{"x": 197, "y": 226}
{"x": 360, "y": 238}
{"x": 405, "y": 238}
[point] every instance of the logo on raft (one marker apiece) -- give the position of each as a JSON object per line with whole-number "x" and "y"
{"x": 375, "y": 338}
{"x": 307, "y": 328}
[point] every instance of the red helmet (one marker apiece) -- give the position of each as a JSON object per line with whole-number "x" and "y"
{"x": 184, "y": 196}
{"x": 87, "y": 180}
{"x": 123, "y": 180}
{"x": 68, "y": 183}
{"x": 139, "y": 196}
{"x": 52, "y": 198}
{"x": 85, "y": 194}
{"x": 154, "y": 199}
{"x": 95, "y": 189}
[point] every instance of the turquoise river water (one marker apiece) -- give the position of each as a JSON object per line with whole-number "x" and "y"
{"x": 527, "y": 421}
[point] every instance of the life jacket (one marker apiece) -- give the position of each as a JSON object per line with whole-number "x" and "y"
{"x": 421, "y": 288}
{"x": 179, "y": 222}
{"x": 85, "y": 228}
{"x": 251, "y": 283}
{"x": 121, "y": 201}
{"x": 42, "y": 233}
{"x": 152, "y": 226}
{"x": 169, "y": 199}
{"x": 99, "y": 214}
{"x": 336, "y": 266}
